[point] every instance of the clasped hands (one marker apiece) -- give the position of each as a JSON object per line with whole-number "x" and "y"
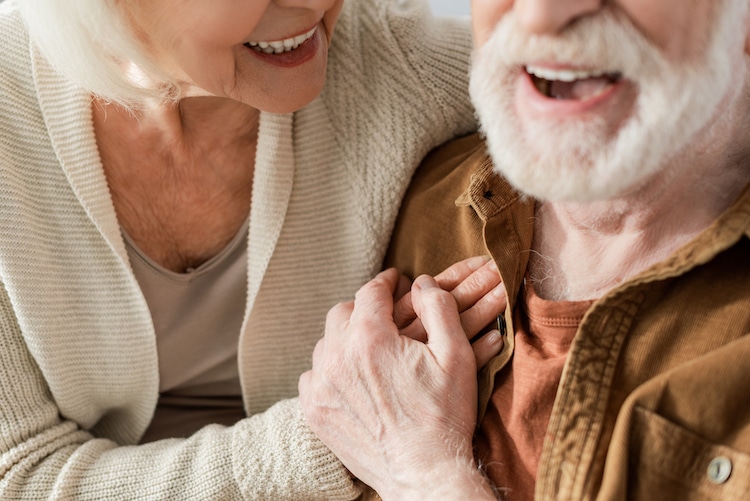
{"x": 393, "y": 388}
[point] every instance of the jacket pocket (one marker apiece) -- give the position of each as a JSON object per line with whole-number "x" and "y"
{"x": 670, "y": 462}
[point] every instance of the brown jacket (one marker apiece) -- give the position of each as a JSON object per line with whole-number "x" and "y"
{"x": 654, "y": 401}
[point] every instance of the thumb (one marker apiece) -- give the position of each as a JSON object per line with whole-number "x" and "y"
{"x": 439, "y": 314}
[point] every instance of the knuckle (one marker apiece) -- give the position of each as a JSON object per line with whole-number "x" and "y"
{"x": 440, "y": 297}
{"x": 483, "y": 279}
{"x": 338, "y": 310}
{"x": 370, "y": 287}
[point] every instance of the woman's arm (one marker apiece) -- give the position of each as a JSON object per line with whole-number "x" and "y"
{"x": 438, "y": 50}
{"x": 273, "y": 455}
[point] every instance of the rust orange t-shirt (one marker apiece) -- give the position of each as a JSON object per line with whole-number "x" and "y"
{"x": 509, "y": 441}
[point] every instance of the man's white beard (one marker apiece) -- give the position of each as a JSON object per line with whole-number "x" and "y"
{"x": 564, "y": 160}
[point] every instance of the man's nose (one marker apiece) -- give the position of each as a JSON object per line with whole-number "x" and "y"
{"x": 550, "y": 17}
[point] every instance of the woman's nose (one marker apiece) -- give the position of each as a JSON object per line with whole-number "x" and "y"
{"x": 307, "y": 4}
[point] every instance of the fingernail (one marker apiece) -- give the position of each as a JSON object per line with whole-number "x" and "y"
{"x": 493, "y": 337}
{"x": 424, "y": 282}
{"x": 499, "y": 291}
{"x": 477, "y": 262}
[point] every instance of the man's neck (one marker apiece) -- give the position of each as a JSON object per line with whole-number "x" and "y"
{"x": 583, "y": 250}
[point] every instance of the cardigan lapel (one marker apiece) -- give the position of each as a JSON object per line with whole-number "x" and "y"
{"x": 67, "y": 114}
{"x": 77, "y": 301}
{"x": 272, "y": 188}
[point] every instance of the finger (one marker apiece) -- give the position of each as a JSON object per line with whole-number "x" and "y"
{"x": 439, "y": 314}
{"x": 372, "y": 316}
{"x": 468, "y": 285}
{"x": 403, "y": 311}
{"x": 403, "y": 287}
{"x": 415, "y": 330}
{"x": 486, "y": 347}
{"x": 474, "y": 319}
{"x": 318, "y": 356}
{"x": 477, "y": 285}
{"x": 304, "y": 383}
{"x": 375, "y": 298}
{"x": 484, "y": 311}
{"x": 449, "y": 278}
{"x": 337, "y": 321}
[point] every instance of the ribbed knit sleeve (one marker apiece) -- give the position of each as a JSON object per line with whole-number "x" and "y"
{"x": 397, "y": 87}
{"x": 272, "y": 456}
{"x": 440, "y": 57}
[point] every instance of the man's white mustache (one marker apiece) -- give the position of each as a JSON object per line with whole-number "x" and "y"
{"x": 606, "y": 42}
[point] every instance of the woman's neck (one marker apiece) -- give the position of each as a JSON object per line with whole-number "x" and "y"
{"x": 180, "y": 174}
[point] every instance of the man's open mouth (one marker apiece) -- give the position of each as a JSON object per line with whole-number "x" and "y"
{"x": 281, "y": 46}
{"x": 579, "y": 85}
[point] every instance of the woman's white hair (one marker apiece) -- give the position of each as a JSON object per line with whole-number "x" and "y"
{"x": 92, "y": 44}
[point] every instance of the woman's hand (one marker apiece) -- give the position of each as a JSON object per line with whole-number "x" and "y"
{"x": 398, "y": 412}
{"x": 480, "y": 296}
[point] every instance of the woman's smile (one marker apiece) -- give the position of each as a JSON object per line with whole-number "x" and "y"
{"x": 269, "y": 55}
{"x": 280, "y": 46}
{"x": 289, "y": 52}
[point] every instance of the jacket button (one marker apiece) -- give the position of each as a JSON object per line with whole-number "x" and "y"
{"x": 719, "y": 469}
{"x": 502, "y": 326}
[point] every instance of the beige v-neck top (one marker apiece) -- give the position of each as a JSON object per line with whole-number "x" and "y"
{"x": 196, "y": 339}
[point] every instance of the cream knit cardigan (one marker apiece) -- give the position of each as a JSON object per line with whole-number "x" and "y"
{"x": 78, "y": 362}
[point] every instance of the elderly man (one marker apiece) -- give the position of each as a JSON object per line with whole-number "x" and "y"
{"x": 612, "y": 192}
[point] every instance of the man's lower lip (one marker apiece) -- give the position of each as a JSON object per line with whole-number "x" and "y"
{"x": 293, "y": 58}
{"x": 539, "y": 104}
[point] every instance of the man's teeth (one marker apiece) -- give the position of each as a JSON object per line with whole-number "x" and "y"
{"x": 563, "y": 75}
{"x": 279, "y": 46}
{"x": 571, "y": 84}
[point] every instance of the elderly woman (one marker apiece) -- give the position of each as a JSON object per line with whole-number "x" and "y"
{"x": 179, "y": 207}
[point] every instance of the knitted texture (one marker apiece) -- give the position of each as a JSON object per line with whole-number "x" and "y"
{"x": 78, "y": 362}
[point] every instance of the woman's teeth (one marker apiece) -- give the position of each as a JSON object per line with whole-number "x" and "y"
{"x": 280, "y": 46}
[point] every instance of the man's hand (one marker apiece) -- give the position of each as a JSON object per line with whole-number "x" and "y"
{"x": 480, "y": 296}
{"x": 399, "y": 413}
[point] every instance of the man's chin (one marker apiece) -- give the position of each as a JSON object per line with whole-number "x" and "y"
{"x": 556, "y": 162}
{"x": 562, "y": 184}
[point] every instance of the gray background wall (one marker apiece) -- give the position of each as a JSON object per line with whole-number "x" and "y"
{"x": 450, "y": 7}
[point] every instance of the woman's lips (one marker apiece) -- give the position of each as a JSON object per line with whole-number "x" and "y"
{"x": 289, "y": 52}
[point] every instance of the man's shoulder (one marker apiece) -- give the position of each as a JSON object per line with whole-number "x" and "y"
{"x": 451, "y": 164}
{"x": 432, "y": 232}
